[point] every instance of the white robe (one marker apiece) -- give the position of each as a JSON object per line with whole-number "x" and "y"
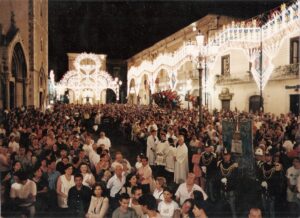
{"x": 170, "y": 163}
{"x": 151, "y": 147}
{"x": 161, "y": 152}
{"x": 181, "y": 164}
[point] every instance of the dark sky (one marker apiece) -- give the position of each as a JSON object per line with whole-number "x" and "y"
{"x": 121, "y": 29}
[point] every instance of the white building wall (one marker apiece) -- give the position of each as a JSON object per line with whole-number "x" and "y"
{"x": 243, "y": 47}
{"x": 277, "y": 99}
{"x": 276, "y": 96}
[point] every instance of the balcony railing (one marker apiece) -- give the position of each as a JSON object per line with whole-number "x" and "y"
{"x": 286, "y": 71}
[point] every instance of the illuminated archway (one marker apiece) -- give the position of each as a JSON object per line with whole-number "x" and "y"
{"x": 162, "y": 81}
{"x": 144, "y": 91}
{"x": 87, "y": 80}
{"x": 132, "y": 97}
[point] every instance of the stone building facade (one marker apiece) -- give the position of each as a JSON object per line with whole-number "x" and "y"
{"x": 23, "y": 53}
{"x": 247, "y": 65}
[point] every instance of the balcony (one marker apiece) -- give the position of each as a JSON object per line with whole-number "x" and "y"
{"x": 290, "y": 71}
{"x": 230, "y": 79}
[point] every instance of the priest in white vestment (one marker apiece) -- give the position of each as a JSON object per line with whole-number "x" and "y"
{"x": 181, "y": 161}
{"x": 152, "y": 141}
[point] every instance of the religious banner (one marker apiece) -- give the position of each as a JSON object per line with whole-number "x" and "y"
{"x": 246, "y": 137}
{"x": 237, "y": 137}
{"x": 228, "y": 128}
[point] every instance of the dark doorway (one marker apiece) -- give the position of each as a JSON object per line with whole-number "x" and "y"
{"x": 110, "y": 96}
{"x": 19, "y": 71}
{"x": 226, "y": 105}
{"x": 254, "y": 103}
{"x": 12, "y": 95}
{"x": 295, "y": 104}
{"x": 41, "y": 100}
{"x": 3, "y": 93}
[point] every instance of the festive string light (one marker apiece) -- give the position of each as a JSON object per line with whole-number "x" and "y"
{"x": 87, "y": 80}
{"x": 242, "y": 35}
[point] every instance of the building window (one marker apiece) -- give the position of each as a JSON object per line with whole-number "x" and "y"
{"x": 294, "y": 49}
{"x": 225, "y": 65}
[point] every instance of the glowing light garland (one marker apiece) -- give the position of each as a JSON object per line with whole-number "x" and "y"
{"x": 87, "y": 79}
{"x": 245, "y": 36}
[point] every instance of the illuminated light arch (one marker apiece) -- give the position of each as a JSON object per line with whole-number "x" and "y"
{"x": 87, "y": 80}
{"x": 241, "y": 35}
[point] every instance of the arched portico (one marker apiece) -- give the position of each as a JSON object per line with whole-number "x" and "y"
{"x": 162, "y": 81}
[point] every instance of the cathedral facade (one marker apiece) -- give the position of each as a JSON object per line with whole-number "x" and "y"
{"x": 23, "y": 53}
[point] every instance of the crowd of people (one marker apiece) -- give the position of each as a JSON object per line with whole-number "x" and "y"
{"x": 62, "y": 162}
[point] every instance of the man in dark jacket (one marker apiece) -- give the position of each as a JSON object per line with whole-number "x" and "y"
{"x": 79, "y": 197}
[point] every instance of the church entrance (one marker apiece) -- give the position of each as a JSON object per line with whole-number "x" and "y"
{"x": 254, "y": 103}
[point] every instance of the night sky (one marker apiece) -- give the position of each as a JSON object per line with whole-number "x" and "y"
{"x": 121, "y": 29}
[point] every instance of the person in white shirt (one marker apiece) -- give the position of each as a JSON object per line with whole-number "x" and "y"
{"x": 161, "y": 152}
{"x": 88, "y": 177}
{"x": 170, "y": 162}
{"x": 13, "y": 144}
{"x": 151, "y": 126}
{"x": 185, "y": 190}
{"x": 23, "y": 194}
{"x": 167, "y": 207}
{"x": 116, "y": 182}
{"x": 160, "y": 184}
{"x": 99, "y": 203}
{"x": 145, "y": 175}
{"x": 181, "y": 161}
{"x": 138, "y": 163}
{"x": 64, "y": 183}
{"x": 298, "y": 195}
{"x": 120, "y": 160}
{"x": 152, "y": 141}
{"x": 292, "y": 174}
{"x": 103, "y": 140}
{"x": 94, "y": 155}
{"x": 115, "y": 185}
{"x": 170, "y": 134}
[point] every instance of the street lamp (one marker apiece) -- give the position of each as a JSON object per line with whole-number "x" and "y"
{"x": 118, "y": 85}
{"x": 200, "y": 40}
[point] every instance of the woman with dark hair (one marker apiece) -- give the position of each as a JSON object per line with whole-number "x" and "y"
{"x": 186, "y": 210}
{"x": 42, "y": 189}
{"x": 131, "y": 181}
{"x": 64, "y": 183}
{"x": 88, "y": 177}
{"x": 145, "y": 175}
{"x": 99, "y": 203}
{"x": 160, "y": 184}
{"x": 199, "y": 211}
{"x": 17, "y": 166}
{"x": 168, "y": 206}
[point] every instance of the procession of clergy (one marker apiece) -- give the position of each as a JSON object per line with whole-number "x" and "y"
{"x": 62, "y": 163}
